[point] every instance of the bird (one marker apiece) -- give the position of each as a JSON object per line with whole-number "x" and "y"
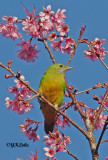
{"x": 52, "y": 87}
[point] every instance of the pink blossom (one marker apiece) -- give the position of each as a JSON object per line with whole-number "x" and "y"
{"x": 66, "y": 140}
{"x": 29, "y": 129}
{"x": 101, "y": 120}
{"x": 99, "y": 43}
{"x": 47, "y": 12}
{"x": 52, "y": 36}
{"x": 67, "y": 49}
{"x": 59, "y": 16}
{"x": 62, "y": 123}
{"x": 50, "y": 151}
{"x": 31, "y": 134}
{"x": 69, "y": 41}
{"x": 106, "y": 158}
{"x": 27, "y": 52}
{"x": 13, "y": 90}
{"x": 64, "y": 29}
{"x": 91, "y": 55}
{"x": 96, "y": 50}
{"x": 10, "y": 28}
{"x": 56, "y": 45}
{"x": 57, "y": 142}
{"x": 45, "y": 27}
{"x": 31, "y": 26}
{"x": 19, "y": 104}
{"x": 49, "y": 140}
{"x": 19, "y": 83}
{"x": 60, "y": 148}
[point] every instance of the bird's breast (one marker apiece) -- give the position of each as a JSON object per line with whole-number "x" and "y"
{"x": 53, "y": 90}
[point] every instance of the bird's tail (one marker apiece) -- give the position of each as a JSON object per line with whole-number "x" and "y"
{"x": 49, "y": 127}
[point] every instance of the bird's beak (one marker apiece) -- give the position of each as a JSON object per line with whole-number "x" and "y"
{"x": 67, "y": 68}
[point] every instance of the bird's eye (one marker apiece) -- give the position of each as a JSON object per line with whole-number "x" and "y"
{"x": 61, "y": 65}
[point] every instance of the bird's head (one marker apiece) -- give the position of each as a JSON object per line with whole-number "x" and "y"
{"x": 59, "y": 68}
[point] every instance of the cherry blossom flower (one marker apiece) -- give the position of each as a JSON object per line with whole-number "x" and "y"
{"x": 50, "y": 151}
{"x": 47, "y": 12}
{"x": 19, "y": 83}
{"x": 96, "y": 50}
{"x": 56, "y": 45}
{"x": 19, "y": 104}
{"x": 59, "y": 16}
{"x": 31, "y": 26}
{"x": 67, "y": 49}
{"x": 9, "y": 29}
{"x": 62, "y": 123}
{"x": 101, "y": 120}
{"x": 69, "y": 41}
{"x": 52, "y": 36}
{"x": 27, "y": 52}
{"x": 57, "y": 142}
{"x": 31, "y": 134}
{"x": 29, "y": 129}
{"x": 64, "y": 29}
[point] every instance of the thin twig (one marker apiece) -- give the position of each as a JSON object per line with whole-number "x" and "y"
{"x": 105, "y": 108}
{"x": 70, "y": 153}
{"x": 83, "y": 91}
{"x": 36, "y": 95}
{"x": 103, "y": 131}
{"x": 75, "y": 46}
{"x": 103, "y": 63}
{"x": 48, "y": 49}
{"x": 97, "y": 86}
{"x": 105, "y": 140}
{"x": 73, "y": 97}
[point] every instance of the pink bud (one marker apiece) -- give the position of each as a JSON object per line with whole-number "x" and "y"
{"x": 8, "y": 76}
{"x": 66, "y": 94}
{"x": 9, "y": 64}
{"x": 19, "y": 73}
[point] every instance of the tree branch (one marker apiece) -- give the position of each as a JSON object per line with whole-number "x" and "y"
{"x": 70, "y": 153}
{"x": 76, "y": 45}
{"x": 105, "y": 140}
{"x": 48, "y": 49}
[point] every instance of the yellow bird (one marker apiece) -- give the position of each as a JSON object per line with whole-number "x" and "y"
{"x": 52, "y": 87}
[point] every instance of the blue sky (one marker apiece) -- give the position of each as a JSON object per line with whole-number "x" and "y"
{"x": 93, "y": 14}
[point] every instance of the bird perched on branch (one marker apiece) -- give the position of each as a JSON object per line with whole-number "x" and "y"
{"x": 52, "y": 87}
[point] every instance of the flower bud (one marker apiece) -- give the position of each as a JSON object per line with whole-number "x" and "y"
{"x": 9, "y": 64}
{"x": 87, "y": 92}
{"x": 95, "y": 98}
{"x": 105, "y": 83}
{"x": 19, "y": 73}
{"x": 8, "y": 76}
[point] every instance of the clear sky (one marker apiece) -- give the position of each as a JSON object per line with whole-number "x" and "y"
{"x": 93, "y": 14}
